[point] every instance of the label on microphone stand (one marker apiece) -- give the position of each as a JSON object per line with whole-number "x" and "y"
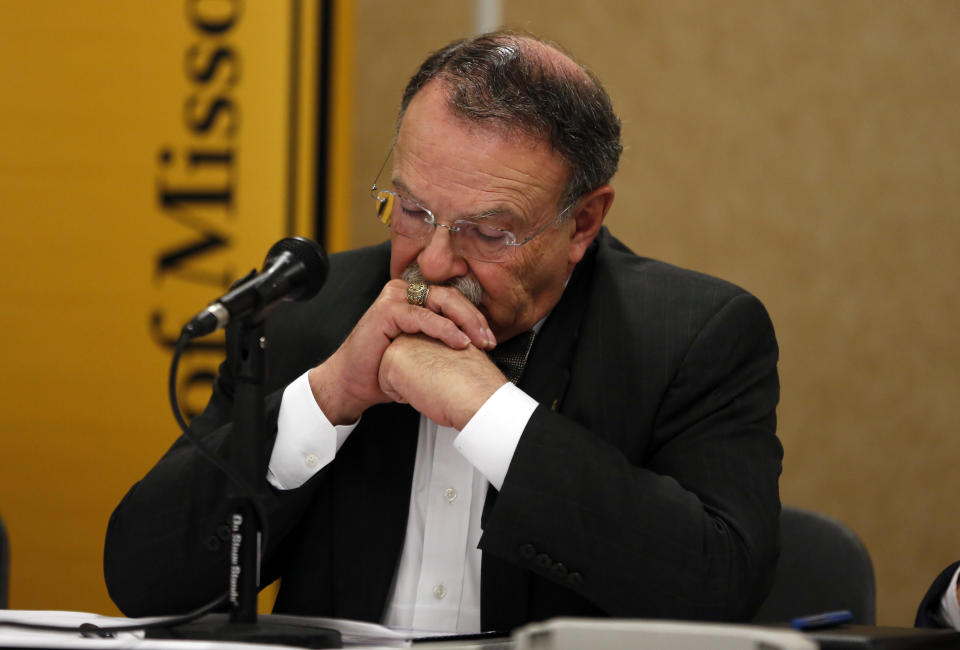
{"x": 236, "y": 539}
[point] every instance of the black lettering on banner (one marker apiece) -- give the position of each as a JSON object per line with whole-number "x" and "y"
{"x": 183, "y": 257}
{"x": 194, "y": 391}
{"x": 202, "y": 120}
{"x": 203, "y": 73}
{"x": 176, "y": 257}
{"x": 198, "y": 193}
{"x": 214, "y": 16}
{"x": 196, "y": 188}
{"x": 210, "y": 157}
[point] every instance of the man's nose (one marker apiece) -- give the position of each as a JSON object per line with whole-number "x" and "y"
{"x": 438, "y": 259}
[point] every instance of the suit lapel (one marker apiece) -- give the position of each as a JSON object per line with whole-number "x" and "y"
{"x": 374, "y": 471}
{"x": 505, "y": 587}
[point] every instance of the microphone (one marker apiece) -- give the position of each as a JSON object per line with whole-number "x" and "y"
{"x": 295, "y": 268}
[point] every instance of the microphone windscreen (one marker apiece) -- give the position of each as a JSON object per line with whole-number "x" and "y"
{"x": 313, "y": 258}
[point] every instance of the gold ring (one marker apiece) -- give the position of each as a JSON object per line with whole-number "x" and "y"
{"x": 417, "y": 293}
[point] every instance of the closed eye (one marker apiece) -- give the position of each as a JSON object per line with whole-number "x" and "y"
{"x": 485, "y": 233}
{"x": 411, "y": 210}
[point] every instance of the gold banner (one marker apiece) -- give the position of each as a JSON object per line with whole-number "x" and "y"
{"x": 151, "y": 154}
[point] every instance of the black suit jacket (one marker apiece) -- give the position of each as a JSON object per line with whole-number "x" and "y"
{"x": 928, "y": 614}
{"x": 645, "y": 483}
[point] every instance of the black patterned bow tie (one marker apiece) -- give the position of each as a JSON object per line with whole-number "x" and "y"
{"x": 510, "y": 356}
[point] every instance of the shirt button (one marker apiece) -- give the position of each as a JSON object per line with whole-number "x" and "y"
{"x": 439, "y": 592}
{"x": 450, "y": 494}
{"x": 311, "y": 460}
{"x": 559, "y": 570}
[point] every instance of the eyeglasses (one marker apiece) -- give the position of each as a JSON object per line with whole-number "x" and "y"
{"x": 472, "y": 238}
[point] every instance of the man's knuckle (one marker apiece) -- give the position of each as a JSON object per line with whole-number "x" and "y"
{"x": 424, "y": 316}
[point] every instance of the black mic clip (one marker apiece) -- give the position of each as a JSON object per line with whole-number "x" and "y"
{"x": 295, "y": 269}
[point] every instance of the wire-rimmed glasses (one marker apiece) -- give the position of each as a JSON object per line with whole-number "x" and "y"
{"x": 473, "y": 238}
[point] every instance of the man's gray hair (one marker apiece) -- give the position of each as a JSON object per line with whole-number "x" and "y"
{"x": 509, "y": 81}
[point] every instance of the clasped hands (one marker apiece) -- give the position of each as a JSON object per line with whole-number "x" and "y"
{"x": 431, "y": 357}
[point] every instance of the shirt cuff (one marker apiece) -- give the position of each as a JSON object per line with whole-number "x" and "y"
{"x": 949, "y": 607}
{"x": 491, "y": 436}
{"x": 306, "y": 441}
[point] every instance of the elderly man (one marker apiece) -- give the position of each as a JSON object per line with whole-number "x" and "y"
{"x": 629, "y": 465}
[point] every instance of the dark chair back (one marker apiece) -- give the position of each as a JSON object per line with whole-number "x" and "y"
{"x": 823, "y": 567}
{"x": 4, "y": 565}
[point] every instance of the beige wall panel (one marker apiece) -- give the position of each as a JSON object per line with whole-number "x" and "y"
{"x": 392, "y": 39}
{"x": 809, "y": 151}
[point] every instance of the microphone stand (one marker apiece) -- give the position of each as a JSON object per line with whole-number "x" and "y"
{"x": 247, "y": 360}
{"x": 245, "y": 355}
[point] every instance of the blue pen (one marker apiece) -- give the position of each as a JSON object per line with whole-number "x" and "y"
{"x": 818, "y": 621}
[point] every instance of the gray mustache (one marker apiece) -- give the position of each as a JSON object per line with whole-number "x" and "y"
{"x": 468, "y": 286}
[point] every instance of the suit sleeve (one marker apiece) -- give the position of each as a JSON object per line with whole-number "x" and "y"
{"x": 166, "y": 547}
{"x": 167, "y": 543}
{"x": 677, "y": 518}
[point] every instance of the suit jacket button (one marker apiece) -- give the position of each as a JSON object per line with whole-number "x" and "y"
{"x": 543, "y": 561}
{"x": 559, "y": 571}
{"x": 212, "y": 543}
{"x": 528, "y": 551}
{"x": 574, "y": 579}
{"x": 223, "y": 532}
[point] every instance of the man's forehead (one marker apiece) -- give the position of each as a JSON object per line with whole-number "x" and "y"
{"x": 477, "y": 148}
{"x": 431, "y": 109}
{"x": 441, "y": 157}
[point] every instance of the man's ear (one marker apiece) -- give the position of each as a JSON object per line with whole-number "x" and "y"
{"x": 587, "y": 218}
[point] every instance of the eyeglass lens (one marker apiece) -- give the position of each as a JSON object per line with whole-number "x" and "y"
{"x": 469, "y": 238}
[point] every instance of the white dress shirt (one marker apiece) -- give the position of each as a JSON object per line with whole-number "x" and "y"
{"x": 437, "y": 584}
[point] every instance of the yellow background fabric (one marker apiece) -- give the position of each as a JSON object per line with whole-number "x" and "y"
{"x": 146, "y": 163}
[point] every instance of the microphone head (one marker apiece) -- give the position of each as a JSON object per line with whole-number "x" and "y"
{"x": 313, "y": 259}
